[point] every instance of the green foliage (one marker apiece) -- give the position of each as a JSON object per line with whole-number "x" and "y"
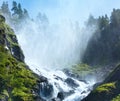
{"x": 104, "y": 46}
{"x": 18, "y": 12}
{"x": 103, "y": 22}
{"x": 9, "y": 34}
{"x": 117, "y": 98}
{"x": 16, "y": 81}
{"x": 82, "y": 69}
{"x": 115, "y": 17}
{"x": 14, "y": 8}
{"x": 108, "y": 87}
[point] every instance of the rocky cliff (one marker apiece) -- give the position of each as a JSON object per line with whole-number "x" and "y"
{"x": 17, "y": 81}
{"x": 109, "y": 90}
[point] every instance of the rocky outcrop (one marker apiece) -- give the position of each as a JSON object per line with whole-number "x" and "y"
{"x": 109, "y": 90}
{"x": 9, "y": 39}
{"x": 17, "y": 81}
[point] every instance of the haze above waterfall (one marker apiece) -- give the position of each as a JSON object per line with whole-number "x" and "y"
{"x": 63, "y": 39}
{"x": 54, "y": 46}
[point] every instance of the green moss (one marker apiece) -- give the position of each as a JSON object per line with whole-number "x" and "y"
{"x": 5, "y": 93}
{"x": 117, "y": 98}
{"x": 108, "y": 87}
{"x": 9, "y": 33}
{"x": 17, "y": 81}
{"x": 82, "y": 69}
{"x": 2, "y": 27}
{"x": 12, "y": 44}
{"x": 8, "y": 30}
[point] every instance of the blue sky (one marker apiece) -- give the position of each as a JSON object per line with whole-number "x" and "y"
{"x": 75, "y": 10}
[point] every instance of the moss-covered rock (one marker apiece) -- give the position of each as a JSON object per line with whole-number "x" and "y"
{"x": 109, "y": 90}
{"x": 17, "y": 82}
{"x": 114, "y": 75}
{"x": 104, "y": 92}
{"x": 8, "y": 39}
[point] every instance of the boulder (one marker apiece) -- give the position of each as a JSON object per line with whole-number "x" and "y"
{"x": 72, "y": 83}
{"x": 46, "y": 90}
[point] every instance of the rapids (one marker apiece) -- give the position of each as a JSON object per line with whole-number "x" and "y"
{"x": 60, "y": 86}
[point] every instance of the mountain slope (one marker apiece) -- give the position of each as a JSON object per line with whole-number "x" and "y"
{"x": 17, "y": 82}
{"x": 109, "y": 90}
{"x": 104, "y": 49}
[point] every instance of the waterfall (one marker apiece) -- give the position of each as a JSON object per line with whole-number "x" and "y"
{"x": 49, "y": 50}
{"x": 59, "y": 85}
{"x": 56, "y": 46}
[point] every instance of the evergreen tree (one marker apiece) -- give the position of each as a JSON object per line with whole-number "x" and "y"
{"x": 14, "y": 8}
{"x": 115, "y": 17}
{"x": 91, "y": 21}
{"x": 103, "y": 22}
{"x": 20, "y": 11}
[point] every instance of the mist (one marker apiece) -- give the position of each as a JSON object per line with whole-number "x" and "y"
{"x": 54, "y": 44}
{"x": 57, "y": 45}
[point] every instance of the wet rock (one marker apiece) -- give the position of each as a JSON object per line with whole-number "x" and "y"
{"x": 83, "y": 81}
{"x": 69, "y": 73}
{"x": 58, "y": 78}
{"x": 46, "y": 90}
{"x": 13, "y": 38}
{"x": 17, "y": 53}
{"x": 71, "y": 83}
{"x": 43, "y": 79}
{"x": 61, "y": 95}
{"x": 96, "y": 85}
{"x": 56, "y": 99}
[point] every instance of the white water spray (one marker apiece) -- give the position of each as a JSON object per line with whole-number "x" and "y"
{"x": 55, "y": 46}
{"x": 51, "y": 49}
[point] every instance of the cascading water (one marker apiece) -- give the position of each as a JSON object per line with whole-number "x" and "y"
{"x": 58, "y": 85}
{"x": 56, "y": 46}
{"x": 52, "y": 49}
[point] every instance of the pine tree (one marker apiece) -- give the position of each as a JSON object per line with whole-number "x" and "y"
{"x": 14, "y": 8}
{"x": 20, "y": 11}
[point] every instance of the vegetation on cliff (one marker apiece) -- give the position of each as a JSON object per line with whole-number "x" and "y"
{"x": 103, "y": 49}
{"x": 104, "y": 46}
{"x": 109, "y": 90}
{"x": 17, "y": 82}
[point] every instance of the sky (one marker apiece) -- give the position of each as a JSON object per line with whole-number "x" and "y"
{"x": 73, "y": 10}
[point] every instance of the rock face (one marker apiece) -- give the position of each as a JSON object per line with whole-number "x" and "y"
{"x": 71, "y": 82}
{"x": 109, "y": 90}
{"x": 114, "y": 76}
{"x": 8, "y": 38}
{"x": 17, "y": 82}
{"x": 46, "y": 90}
